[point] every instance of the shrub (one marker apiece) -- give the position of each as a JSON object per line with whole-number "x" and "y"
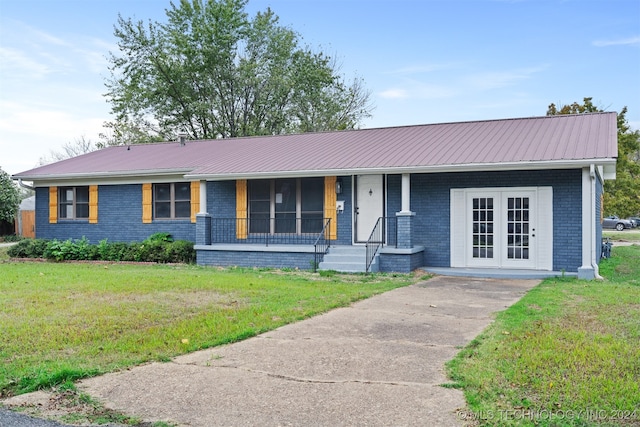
{"x": 160, "y": 249}
{"x": 69, "y": 250}
{"x": 181, "y": 251}
{"x": 159, "y": 237}
{"x": 28, "y": 248}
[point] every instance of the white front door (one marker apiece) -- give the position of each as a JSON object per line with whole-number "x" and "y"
{"x": 369, "y": 203}
{"x": 501, "y": 228}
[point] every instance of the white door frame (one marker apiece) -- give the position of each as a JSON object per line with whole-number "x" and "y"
{"x": 368, "y": 201}
{"x": 539, "y": 232}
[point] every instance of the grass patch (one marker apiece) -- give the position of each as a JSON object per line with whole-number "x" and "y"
{"x": 4, "y": 256}
{"x": 62, "y": 322}
{"x": 567, "y": 354}
{"x": 626, "y": 235}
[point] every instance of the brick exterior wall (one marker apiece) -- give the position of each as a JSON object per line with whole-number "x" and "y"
{"x": 345, "y": 224}
{"x": 119, "y": 219}
{"x": 430, "y": 195}
{"x": 401, "y": 263}
{"x": 267, "y": 259}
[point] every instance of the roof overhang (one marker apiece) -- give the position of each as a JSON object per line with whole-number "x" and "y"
{"x": 118, "y": 177}
{"x": 608, "y": 165}
{"x": 159, "y": 175}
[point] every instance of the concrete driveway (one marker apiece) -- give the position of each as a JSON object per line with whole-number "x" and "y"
{"x": 379, "y": 362}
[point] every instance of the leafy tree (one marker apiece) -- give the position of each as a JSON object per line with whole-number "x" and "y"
{"x": 622, "y": 196}
{"x": 123, "y": 132}
{"x": 213, "y": 72}
{"x": 9, "y": 198}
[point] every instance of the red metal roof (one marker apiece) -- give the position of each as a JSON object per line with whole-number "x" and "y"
{"x": 516, "y": 143}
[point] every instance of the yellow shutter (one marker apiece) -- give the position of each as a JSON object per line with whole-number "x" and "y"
{"x": 241, "y": 209}
{"x": 93, "y": 204}
{"x": 195, "y": 199}
{"x": 330, "y": 206}
{"x": 53, "y": 205}
{"x": 147, "y": 207}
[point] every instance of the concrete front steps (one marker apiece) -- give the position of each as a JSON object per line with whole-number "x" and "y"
{"x": 347, "y": 259}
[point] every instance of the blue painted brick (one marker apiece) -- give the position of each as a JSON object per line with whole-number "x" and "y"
{"x": 119, "y": 219}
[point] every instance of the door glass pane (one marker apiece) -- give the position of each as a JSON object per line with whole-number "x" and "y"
{"x": 518, "y": 228}
{"x": 482, "y": 227}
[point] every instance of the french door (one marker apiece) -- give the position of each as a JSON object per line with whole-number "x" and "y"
{"x": 501, "y": 229}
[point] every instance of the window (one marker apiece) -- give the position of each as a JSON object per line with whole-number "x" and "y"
{"x": 518, "y": 228}
{"x": 172, "y": 201}
{"x": 73, "y": 202}
{"x": 483, "y": 227}
{"x": 290, "y": 205}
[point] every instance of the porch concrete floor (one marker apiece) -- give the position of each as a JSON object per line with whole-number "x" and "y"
{"x": 495, "y": 273}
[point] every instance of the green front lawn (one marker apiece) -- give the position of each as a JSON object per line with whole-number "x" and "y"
{"x": 61, "y": 322}
{"x": 567, "y": 354}
{"x": 626, "y": 235}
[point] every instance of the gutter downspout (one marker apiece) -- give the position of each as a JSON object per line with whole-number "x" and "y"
{"x": 594, "y": 264}
{"x": 23, "y": 185}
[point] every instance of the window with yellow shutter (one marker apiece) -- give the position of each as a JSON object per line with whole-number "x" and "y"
{"x": 73, "y": 202}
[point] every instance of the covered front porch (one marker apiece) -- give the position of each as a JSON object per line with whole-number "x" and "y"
{"x": 274, "y": 228}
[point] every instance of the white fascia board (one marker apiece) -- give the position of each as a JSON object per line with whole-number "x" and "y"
{"x": 471, "y": 167}
{"x": 109, "y": 179}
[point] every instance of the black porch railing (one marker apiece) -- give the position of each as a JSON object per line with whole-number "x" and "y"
{"x": 268, "y": 231}
{"x": 385, "y": 232}
{"x": 321, "y": 246}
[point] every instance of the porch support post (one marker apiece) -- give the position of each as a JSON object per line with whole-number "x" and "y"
{"x": 203, "y": 229}
{"x": 405, "y": 229}
{"x": 404, "y": 218}
{"x": 203, "y": 219}
{"x": 406, "y": 194}
{"x": 203, "y": 197}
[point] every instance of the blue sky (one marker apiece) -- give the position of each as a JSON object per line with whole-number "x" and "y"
{"x": 424, "y": 61}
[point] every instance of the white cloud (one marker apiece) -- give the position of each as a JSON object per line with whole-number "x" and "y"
{"x": 499, "y": 79}
{"x": 30, "y": 131}
{"x": 394, "y": 94}
{"x": 51, "y": 123}
{"x": 457, "y": 84}
{"x": 14, "y": 62}
{"x": 631, "y": 41}
{"x": 46, "y": 38}
{"x": 423, "y": 68}
{"x": 51, "y": 92}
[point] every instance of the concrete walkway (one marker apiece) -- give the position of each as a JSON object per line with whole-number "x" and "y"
{"x": 379, "y": 362}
